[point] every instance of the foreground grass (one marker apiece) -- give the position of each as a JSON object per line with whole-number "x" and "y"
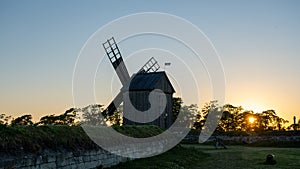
{"x": 242, "y": 157}
{"x": 207, "y": 157}
{"x": 178, "y": 157}
{"x": 34, "y": 139}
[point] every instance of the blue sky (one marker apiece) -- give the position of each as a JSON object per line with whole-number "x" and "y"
{"x": 258, "y": 42}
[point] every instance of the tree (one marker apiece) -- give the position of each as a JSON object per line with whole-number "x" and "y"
{"x": 25, "y": 120}
{"x": 177, "y": 103}
{"x": 202, "y": 116}
{"x": 279, "y": 123}
{"x": 266, "y": 118}
{"x": 92, "y": 115}
{"x": 67, "y": 118}
{"x": 243, "y": 123}
{"x": 4, "y": 119}
{"x": 230, "y": 118}
{"x": 189, "y": 114}
{"x": 115, "y": 118}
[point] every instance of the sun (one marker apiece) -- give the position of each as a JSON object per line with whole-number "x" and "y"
{"x": 251, "y": 120}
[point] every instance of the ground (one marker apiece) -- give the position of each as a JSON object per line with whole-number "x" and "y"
{"x": 249, "y": 157}
{"x": 207, "y": 157}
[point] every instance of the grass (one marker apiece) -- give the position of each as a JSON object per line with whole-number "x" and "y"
{"x": 139, "y": 131}
{"x": 249, "y": 157}
{"x": 34, "y": 139}
{"x": 206, "y": 156}
{"x": 176, "y": 158}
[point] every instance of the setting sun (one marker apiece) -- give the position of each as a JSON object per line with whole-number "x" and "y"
{"x": 251, "y": 120}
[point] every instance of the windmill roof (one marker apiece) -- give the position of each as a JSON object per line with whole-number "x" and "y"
{"x": 150, "y": 81}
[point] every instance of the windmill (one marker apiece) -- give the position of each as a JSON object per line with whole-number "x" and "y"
{"x": 141, "y": 83}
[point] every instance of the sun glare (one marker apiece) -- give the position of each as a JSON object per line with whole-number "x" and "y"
{"x": 251, "y": 120}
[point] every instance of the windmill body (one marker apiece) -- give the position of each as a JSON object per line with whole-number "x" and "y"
{"x": 137, "y": 88}
{"x": 141, "y": 84}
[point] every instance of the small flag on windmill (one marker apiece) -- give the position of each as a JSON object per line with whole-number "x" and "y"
{"x": 168, "y": 64}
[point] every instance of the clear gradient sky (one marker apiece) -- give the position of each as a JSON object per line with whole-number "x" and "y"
{"x": 258, "y": 42}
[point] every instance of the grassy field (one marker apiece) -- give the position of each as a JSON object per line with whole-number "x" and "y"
{"x": 35, "y": 139}
{"x": 207, "y": 157}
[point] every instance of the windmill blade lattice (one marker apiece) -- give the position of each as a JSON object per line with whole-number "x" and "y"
{"x": 115, "y": 57}
{"x": 150, "y": 66}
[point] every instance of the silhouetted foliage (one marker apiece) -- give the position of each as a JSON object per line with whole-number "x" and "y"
{"x": 201, "y": 117}
{"x": 177, "y": 103}
{"x": 67, "y": 118}
{"x": 235, "y": 118}
{"x": 189, "y": 114}
{"x": 25, "y": 120}
{"x": 115, "y": 118}
{"x": 4, "y": 119}
{"x": 231, "y": 118}
{"x": 92, "y": 115}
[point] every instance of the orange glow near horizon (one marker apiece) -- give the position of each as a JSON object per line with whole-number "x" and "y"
{"x": 251, "y": 120}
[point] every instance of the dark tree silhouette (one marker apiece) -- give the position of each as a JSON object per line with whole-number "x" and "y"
{"x": 4, "y": 119}
{"x": 189, "y": 114}
{"x": 177, "y": 103}
{"x": 200, "y": 117}
{"x": 67, "y": 118}
{"x": 115, "y": 118}
{"x": 24, "y": 120}
{"x": 234, "y": 118}
{"x": 92, "y": 115}
{"x": 230, "y": 120}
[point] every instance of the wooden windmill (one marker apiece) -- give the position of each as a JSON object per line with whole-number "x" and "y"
{"x": 138, "y": 86}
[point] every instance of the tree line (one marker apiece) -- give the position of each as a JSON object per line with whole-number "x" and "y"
{"x": 233, "y": 118}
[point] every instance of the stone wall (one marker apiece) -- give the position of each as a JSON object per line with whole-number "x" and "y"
{"x": 62, "y": 160}
{"x": 193, "y": 138}
{"x": 85, "y": 159}
{"x": 252, "y": 139}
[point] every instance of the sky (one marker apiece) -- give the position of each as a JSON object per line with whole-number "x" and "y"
{"x": 258, "y": 43}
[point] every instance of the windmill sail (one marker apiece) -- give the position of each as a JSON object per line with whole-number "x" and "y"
{"x": 115, "y": 57}
{"x": 150, "y": 66}
{"x": 116, "y": 60}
